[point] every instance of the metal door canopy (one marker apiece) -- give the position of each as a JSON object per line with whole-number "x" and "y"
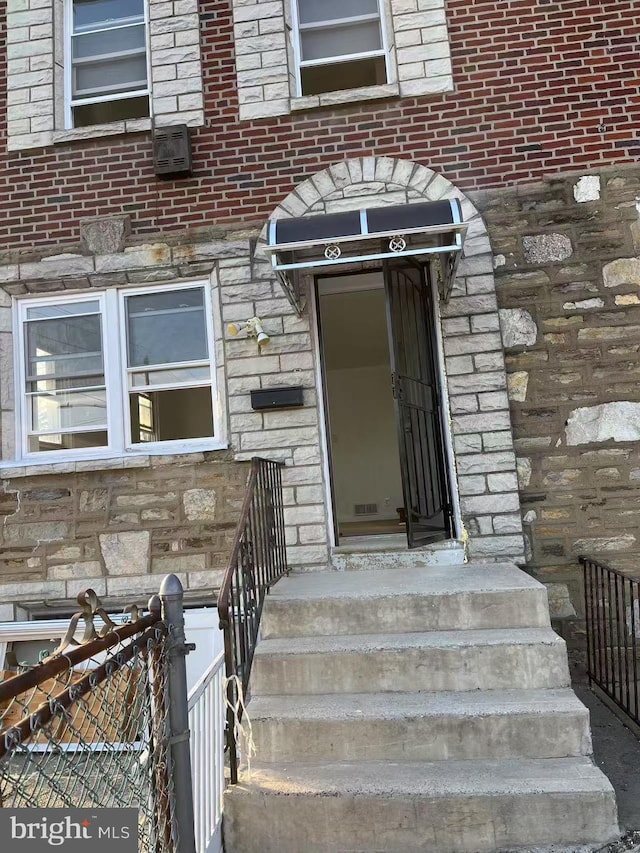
{"x": 408, "y": 230}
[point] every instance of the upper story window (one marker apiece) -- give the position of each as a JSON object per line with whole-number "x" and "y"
{"x": 303, "y": 54}
{"x": 106, "y": 61}
{"x": 340, "y": 45}
{"x": 116, "y": 371}
{"x": 92, "y": 68}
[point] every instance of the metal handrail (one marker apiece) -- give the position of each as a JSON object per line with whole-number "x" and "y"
{"x": 258, "y": 559}
{"x": 612, "y": 601}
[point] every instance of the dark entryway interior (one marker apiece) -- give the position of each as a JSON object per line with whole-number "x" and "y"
{"x": 381, "y": 458}
{"x": 367, "y": 485}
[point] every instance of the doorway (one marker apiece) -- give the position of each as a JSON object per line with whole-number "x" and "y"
{"x": 382, "y": 405}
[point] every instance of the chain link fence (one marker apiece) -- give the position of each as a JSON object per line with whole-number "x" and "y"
{"x": 94, "y": 724}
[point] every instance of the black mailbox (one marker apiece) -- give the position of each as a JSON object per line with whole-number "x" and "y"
{"x": 277, "y": 398}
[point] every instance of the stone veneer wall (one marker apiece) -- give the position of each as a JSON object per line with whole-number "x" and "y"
{"x": 49, "y": 501}
{"x": 567, "y": 258}
{"x": 120, "y": 530}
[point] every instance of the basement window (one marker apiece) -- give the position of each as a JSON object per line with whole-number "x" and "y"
{"x": 340, "y": 44}
{"x": 107, "y": 75}
{"x": 116, "y": 371}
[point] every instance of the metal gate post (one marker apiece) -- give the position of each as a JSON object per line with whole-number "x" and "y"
{"x": 172, "y": 597}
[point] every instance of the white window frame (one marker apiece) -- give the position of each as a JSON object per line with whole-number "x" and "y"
{"x": 116, "y": 372}
{"x": 334, "y": 60}
{"x": 69, "y": 102}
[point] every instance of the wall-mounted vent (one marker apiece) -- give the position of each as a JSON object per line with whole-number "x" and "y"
{"x": 172, "y": 150}
{"x": 365, "y": 509}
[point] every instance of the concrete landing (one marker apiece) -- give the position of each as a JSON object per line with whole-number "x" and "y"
{"x": 424, "y": 598}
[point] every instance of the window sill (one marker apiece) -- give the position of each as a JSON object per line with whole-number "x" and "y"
{"x": 30, "y": 468}
{"x": 345, "y": 96}
{"x": 98, "y": 130}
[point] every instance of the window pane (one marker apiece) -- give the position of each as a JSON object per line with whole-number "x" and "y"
{"x": 44, "y": 312}
{"x": 174, "y": 376}
{"x": 68, "y": 410}
{"x": 341, "y": 41}
{"x": 168, "y": 327}
{"x": 110, "y": 78}
{"x": 91, "y": 14}
{"x": 70, "y": 441}
{"x": 180, "y": 413}
{"x": 107, "y": 111}
{"x": 329, "y": 10}
{"x": 108, "y": 43}
{"x": 343, "y": 75}
{"x": 66, "y": 347}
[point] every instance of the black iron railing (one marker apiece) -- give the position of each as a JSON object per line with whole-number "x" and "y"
{"x": 613, "y": 632}
{"x": 257, "y": 561}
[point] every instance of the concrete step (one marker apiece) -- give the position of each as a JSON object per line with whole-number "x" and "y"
{"x": 431, "y": 598}
{"x": 391, "y": 552}
{"x": 441, "y": 807}
{"x": 420, "y": 726}
{"x": 520, "y": 658}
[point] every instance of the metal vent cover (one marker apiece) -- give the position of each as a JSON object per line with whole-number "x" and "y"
{"x": 172, "y": 150}
{"x": 365, "y": 509}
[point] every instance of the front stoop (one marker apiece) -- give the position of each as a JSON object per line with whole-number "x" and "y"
{"x": 416, "y": 710}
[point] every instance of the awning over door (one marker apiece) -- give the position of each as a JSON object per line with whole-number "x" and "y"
{"x": 423, "y": 231}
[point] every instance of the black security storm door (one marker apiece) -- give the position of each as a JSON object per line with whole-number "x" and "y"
{"x": 416, "y": 392}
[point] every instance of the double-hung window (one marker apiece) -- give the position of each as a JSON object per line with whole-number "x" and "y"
{"x": 117, "y": 371}
{"x": 340, "y": 45}
{"x": 107, "y": 68}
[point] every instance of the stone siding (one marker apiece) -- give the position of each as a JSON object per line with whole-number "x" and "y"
{"x": 242, "y": 286}
{"x": 119, "y": 531}
{"x": 567, "y": 257}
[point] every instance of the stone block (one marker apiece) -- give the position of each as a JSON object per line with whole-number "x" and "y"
{"x": 69, "y": 571}
{"x": 622, "y": 272}
{"x": 509, "y": 523}
{"x": 105, "y": 235}
{"x": 36, "y": 532}
{"x": 178, "y": 562}
{"x": 546, "y": 248}
{"x": 503, "y": 482}
{"x": 607, "y": 544}
{"x": 609, "y": 421}
{"x": 517, "y": 385}
{"x": 523, "y": 470}
{"x": 587, "y": 188}
{"x": 495, "y": 546}
{"x": 560, "y": 604}
{"x": 518, "y": 327}
{"x": 125, "y": 553}
{"x": 200, "y": 504}
{"x": 490, "y": 504}
{"x": 93, "y": 500}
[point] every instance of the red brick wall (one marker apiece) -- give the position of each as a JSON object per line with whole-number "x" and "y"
{"x": 542, "y": 87}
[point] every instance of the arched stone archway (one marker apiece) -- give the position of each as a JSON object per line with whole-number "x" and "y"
{"x": 473, "y": 355}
